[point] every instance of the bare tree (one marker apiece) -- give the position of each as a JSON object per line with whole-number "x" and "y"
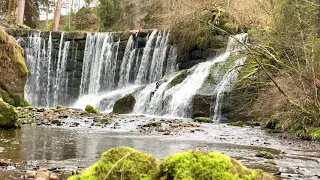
{"x": 57, "y": 16}
{"x": 21, "y": 7}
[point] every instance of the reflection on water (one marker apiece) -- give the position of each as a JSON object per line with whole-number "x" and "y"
{"x": 75, "y": 147}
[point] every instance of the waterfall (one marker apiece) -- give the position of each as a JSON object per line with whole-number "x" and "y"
{"x": 103, "y": 73}
{"x": 128, "y": 58}
{"x": 144, "y": 71}
{"x": 230, "y": 78}
{"x": 37, "y": 58}
{"x": 47, "y": 85}
{"x": 100, "y": 62}
{"x": 60, "y": 87}
{"x": 55, "y": 72}
{"x": 177, "y": 101}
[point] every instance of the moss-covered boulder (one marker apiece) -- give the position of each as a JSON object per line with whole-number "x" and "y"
{"x": 8, "y": 116}
{"x": 179, "y": 78}
{"x": 127, "y": 163}
{"x": 122, "y": 163}
{"x": 201, "y": 165}
{"x": 203, "y": 120}
{"x": 13, "y": 71}
{"x": 124, "y": 105}
{"x": 90, "y": 109}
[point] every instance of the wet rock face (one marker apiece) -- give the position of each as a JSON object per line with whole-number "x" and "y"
{"x": 8, "y": 116}
{"x": 13, "y": 71}
{"x": 124, "y": 105}
{"x": 201, "y": 106}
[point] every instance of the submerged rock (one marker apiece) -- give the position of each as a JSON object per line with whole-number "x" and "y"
{"x": 127, "y": 163}
{"x": 8, "y": 116}
{"x": 124, "y": 105}
{"x": 13, "y": 71}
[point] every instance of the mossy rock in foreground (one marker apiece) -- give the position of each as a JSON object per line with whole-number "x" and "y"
{"x": 202, "y": 165}
{"x": 124, "y": 105}
{"x": 8, "y": 116}
{"x": 131, "y": 164}
{"x": 122, "y": 162}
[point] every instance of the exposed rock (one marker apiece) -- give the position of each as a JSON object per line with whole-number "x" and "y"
{"x": 201, "y": 106}
{"x": 8, "y": 116}
{"x": 267, "y": 155}
{"x": 13, "y": 70}
{"x": 124, "y": 105}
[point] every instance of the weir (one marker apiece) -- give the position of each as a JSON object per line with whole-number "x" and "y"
{"x": 111, "y": 68}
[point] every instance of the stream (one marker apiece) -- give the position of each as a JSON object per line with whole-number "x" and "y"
{"x": 79, "y": 147}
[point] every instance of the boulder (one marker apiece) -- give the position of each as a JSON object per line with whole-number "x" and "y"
{"x": 122, "y": 163}
{"x": 124, "y": 105}
{"x": 206, "y": 165}
{"x": 127, "y": 163}
{"x": 13, "y": 71}
{"x": 8, "y": 116}
{"x": 201, "y": 106}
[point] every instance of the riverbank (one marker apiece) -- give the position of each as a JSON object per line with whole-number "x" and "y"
{"x": 79, "y": 140}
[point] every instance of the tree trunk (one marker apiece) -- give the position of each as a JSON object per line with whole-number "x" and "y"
{"x": 57, "y": 16}
{"x": 21, "y": 7}
{"x": 47, "y": 15}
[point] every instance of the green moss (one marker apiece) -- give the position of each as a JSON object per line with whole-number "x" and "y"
{"x": 8, "y": 116}
{"x": 179, "y": 78}
{"x": 253, "y": 123}
{"x": 90, "y": 109}
{"x": 314, "y": 133}
{"x": 30, "y": 108}
{"x": 124, "y": 105}
{"x": 266, "y": 155}
{"x": 198, "y": 165}
{"x": 41, "y": 110}
{"x": 273, "y": 122}
{"x": 12, "y": 47}
{"x": 237, "y": 123}
{"x": 152, "y": 123}
{"x": 60, "y": 108}
{"x": 203, "y": 120}
{"x": 273, "y": 131}
{"x": 122, "y": 163}
{"x": 56, "y": 122}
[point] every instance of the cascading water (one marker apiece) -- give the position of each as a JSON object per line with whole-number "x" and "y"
{"x": 176, "y": 101}
{"x": 101, "y": 66}
{"x": 100, "y": 62}
{"x": 231, "y": 77}
{"x": 48, "y": 82}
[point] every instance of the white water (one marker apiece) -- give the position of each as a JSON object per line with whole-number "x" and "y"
{"x": 100, "y": 63}
{"x": 231, "y": 77}
{"x": 105, "y": 101}
{"x": 177, "y": 101}
{"x": 102, "y": 72}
